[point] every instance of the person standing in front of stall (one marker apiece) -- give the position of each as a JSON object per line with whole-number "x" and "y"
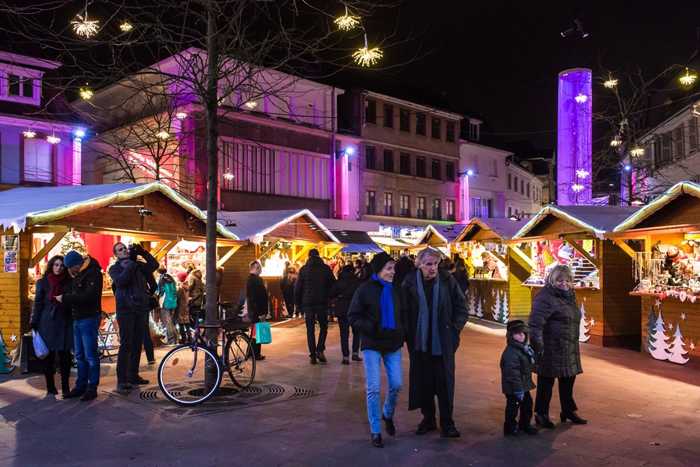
{"x": 83, "y": 296}
{"x": 257, "y": 301}
{"x": 133, "y": 302}
{"x": 183, "y": 311}
{"x": 343, "y": 292}
{"x": 312, "y": 294}
{"x": 437, "y": 312}
{"x": 195, "y": 288}
{"x": 287, "y": 285}
{"x": 167, "y": 291}
{"x": 554, "y": 332}
{"x": 52, "y": 320}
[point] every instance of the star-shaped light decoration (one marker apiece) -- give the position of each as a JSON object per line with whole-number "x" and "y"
{"x": 366, "y": 56}
{"x": 13, "y": 338}
{"x": 688, "y": 79}
{"x": 683, "y": 316}
{"x": 85, "y": 27}
{"x": 86, "y": 93}
{"x": 610, "y": 83}
{"x": 347, "y": 22}
{"x": 670, "y": 325}
{"x": 592, "y": 323}
{"x": 691, "y": 346}
{"x": 126, "y": 26}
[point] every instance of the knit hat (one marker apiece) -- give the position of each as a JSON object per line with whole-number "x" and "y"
{"x": 379, "y": 261}
{"x": 313, "y": 253}
{"x": 516, "y": 325}
{"x": 182, "y": 276}
{"x": 72, "y": 258}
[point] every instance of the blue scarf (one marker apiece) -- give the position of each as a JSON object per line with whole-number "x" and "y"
{"x": 423, "y": 313}
{"x": 386, "y": 303}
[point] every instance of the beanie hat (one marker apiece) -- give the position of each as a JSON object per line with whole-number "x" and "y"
{"x": 516, "y": 325}
{"x": 182, "y": 276}
{"x": 379, "y": 261}
{"x": 313, "y": 253}
{"x": 73, "y": 258}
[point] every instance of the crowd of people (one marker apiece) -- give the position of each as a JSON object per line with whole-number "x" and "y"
{"x": 419, "y": 302}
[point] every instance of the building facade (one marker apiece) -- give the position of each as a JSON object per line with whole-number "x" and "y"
{"x": 40, "y": 138}
{"x": 485, "y": 169}
{"x": 407, "y": 159}
{"x": 523, "y": 192}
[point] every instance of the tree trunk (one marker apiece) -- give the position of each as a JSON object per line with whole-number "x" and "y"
{"x": 212, "y": 132}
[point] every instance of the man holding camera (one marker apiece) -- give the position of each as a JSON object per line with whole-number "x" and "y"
{"x": 130, "y": 276}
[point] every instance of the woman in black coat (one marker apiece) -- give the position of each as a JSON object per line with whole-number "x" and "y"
{"x": 257, "y": 301}
{"x": 287, "y": 284}
{"x": 53, "y": 322}
{"x": 343, "y": 291}
{"x": 554, "y": 333}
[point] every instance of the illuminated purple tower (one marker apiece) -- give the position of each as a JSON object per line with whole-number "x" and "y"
{"x": 574, "y": 154}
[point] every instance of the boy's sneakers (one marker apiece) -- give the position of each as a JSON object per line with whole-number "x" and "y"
{"x": 529, "y": 429}
{"x": 509, "y": 430}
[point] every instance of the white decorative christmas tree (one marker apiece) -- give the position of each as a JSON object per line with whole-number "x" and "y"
{"x": 479, "y": 309}
{"x": 651, "y": 325}
{"x": 496, "y": 308}
{"x": 505, "y": 311}
{"x": 472, "y": 304}
{"x": 678, "y": 348}
{"x": 6, "y": 365}
{"x": 660, "y": 349}
{"x": 584, "y": 326}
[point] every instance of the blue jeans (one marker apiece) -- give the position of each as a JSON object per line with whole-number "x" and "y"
{"x": 392, "y": 365}
{"x": 86, "y": 355}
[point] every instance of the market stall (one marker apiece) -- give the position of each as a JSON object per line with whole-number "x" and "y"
{"x": 38, "y": 222}
{"x": 603, "y": 272}
{"x": 663, "y": 238}
{"x": 440, "y": 236}
{"x": 496, "y": 274}
{"x": 277, "y": 239}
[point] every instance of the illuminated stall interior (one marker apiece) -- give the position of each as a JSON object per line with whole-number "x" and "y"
{"x": 603, "y": 272}
{"x": 39, "y": 222}
{"x": 664, "y": 240}
{"x": 496, "y": 275}
{"x": 440, "y": 236}
{"x": 275, "y": 238}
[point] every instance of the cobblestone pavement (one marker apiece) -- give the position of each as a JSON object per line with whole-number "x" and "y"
{"x": 641, "y": 412}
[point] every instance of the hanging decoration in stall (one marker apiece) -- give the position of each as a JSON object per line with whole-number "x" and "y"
{"x": 10, "y": 245}
{"x": 548, "y": 253}
{"x": 670, "y": 271}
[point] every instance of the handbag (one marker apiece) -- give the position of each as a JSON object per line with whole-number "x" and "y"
{"x": 263, "y": 333}
{"x": 40, "y": 348}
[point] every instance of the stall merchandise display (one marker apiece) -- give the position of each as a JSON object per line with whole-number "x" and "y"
{"x": 670, "y": 270}
{"x": 548, "y": 253}
{"x": 483, "y": 260}
{"x": 186, "y": 255}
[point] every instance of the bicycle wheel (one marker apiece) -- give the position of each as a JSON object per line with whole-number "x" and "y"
{"x": 239, "y": 359}
{"x": 182, "y": 372}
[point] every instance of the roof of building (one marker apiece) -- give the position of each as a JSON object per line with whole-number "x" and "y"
{"x": 448, "y": 233}
{"x": 23, "y": 207}
{"x": 356, "y": 241}
{"x": 594, "y": 219}
{"x": 254, "y": 225}
{"x": 504, "y": 228}
{"x": 659, "y": 202}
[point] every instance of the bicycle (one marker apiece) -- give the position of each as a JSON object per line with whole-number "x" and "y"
{"x": 182, "y": 372}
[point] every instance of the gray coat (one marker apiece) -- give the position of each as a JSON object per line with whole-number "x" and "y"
{"x": 554, "y": 331}
{"x": 51, "y": 320}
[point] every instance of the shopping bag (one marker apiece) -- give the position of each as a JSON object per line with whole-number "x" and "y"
{"x": 40, "y": 348}
{"x": 263, "y": 333}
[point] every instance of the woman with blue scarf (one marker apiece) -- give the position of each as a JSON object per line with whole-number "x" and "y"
{"x": 376, "y": 313}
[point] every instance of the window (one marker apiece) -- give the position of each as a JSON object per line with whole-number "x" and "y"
{"x": 693, "y": 134}
{"x": 388, "y": 204}
{"x": 481, "y": 207}
{"x": 420, "y": 166}
{"x": 510, "y": 182}
{"x": 437, "y": 209}
{"x": 38, "y": 160}
{"x": 510, "y": 211}
{"x": 371, "y": 202}
{"x": 436, "y": 128}
{"x": 252, "y": 167}
{"x": 370, "y": 158}
{"x": 14, "y": 82}
{"x": 420, "y": 208}
{"x": 388, "y": 116}
{"x": 404, "y": 120}
{"x": 666, "y": 141}
{"x": 494, "y": 168}
{"x": 420, "y": 124}
{"x": 474, "y": 131}
{"x": 435, "y": 170}
{"x": 370, "y": 111}
{"x": 528, "y": 190}
{"x": 450, "y": 171}
{"x": 450, "y": 207}
{"x": 515, "y": 184}
{"x": 405, "y": 206}
{"x": 450, "y": 132}
{"x": 405, "y": 164}
{"x": 388, "y": 160}
{"x": 678, "y": 143}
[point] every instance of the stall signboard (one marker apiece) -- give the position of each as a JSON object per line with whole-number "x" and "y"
{"x": 10, "y": 245}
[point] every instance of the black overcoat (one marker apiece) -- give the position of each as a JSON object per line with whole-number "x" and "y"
{"x": 52, "y": 320}
{"x": 554, "y": 332}
{"x": 452, "y": 316}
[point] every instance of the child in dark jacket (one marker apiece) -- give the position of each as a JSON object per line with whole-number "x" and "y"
{"x": 517, "y": 364}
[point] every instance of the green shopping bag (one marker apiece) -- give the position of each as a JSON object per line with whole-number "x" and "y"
{"x": 263, "y": 333}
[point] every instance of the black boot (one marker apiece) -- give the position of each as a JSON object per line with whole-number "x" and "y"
{"x": 529, "y": 429}
{"x": 65, "y": 385}
{"x": 509, "y": 430}
{"x": 50, "y": 385}
{"x": 575, "y": 419}
{"x": 377, "y": 441}
{"x": 75, "y": 392}
{"x": 426, "y": 426}
{"x": 89, "y": 395}
{"x": 389, "y": 426}
{"x": 544, "y": 421}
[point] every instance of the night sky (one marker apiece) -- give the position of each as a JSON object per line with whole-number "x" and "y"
{"x": 499, "y": 60}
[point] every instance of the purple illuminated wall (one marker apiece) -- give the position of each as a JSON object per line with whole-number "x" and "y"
{"x": 574, "y": 165}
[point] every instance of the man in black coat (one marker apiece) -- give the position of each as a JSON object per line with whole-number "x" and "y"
{"x": 437, "y": 312}
{"x": 343, "y": 292}
{"x": 83, "y": 296}
{"x": 404, "y": 266}
{"x": 131, "y": 285}
{"x": 256, "y": 300}
{"x": 312, "y": 295}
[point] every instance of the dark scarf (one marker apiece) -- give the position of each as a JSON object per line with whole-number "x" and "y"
{"x": 423, "y": 327}
{"x": 386, "y": 303}
{"x": 56, "y": 283}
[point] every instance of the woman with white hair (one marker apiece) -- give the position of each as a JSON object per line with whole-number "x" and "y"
{"x": 554, "y": 332}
